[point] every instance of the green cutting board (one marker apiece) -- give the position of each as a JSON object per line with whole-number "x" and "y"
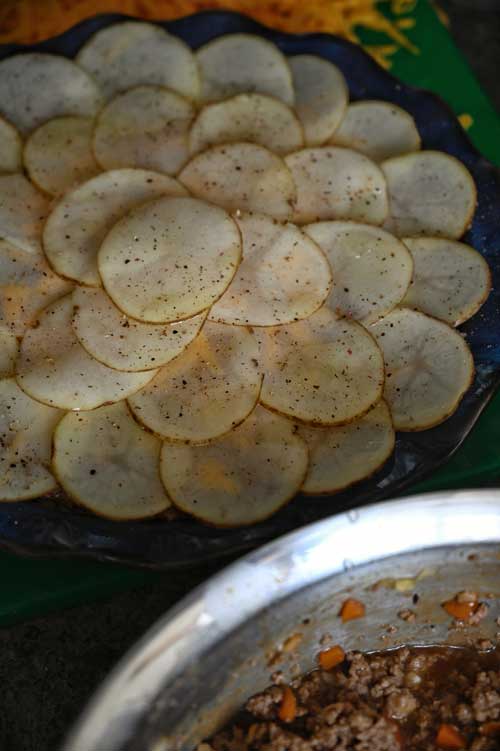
{"x": 31, "y": 587}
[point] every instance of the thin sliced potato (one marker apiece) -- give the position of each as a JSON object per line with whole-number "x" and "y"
{"x": 320, "y": 370}
{"x": 54, "y": 368}
{"x": 79, "y": 223}
{"x": 255, "y": 118}
{"x": 22, "y": 213}
{"x": 58, "y": 155}
{"x": 335, "y": 183}
{"x": 340, "y": 457}
{"x": 380, "y": 130}
{"x": 430, "y": 193}
{"x": 372, "y": 269}
{"x": 283, "y": 277}
{"x": 108, "y": 464}
{"x": 145, "y": 127}
{"x": 26, "y": 429}
{"x": 429, "y": 368}
{"x": 11, "y": 148}
{"x": 242, "y": 177}
{"x": 133, "y": 53}
{"x": 207, "y": 390}
{"x": 8, "y": 352}
{"x": 241, "y": 478}
{"x": 243, "y": 64}
{"x": 169, "y": 259}
{"x": 321, "y": 96}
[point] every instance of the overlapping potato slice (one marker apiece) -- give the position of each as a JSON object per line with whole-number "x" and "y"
{"x": 243, "y": 63}
{"x": 8, "y": 352}
{"x": 430, "y": 193}
{"x": 321, "y": 96}
{"x": 336, "y": 183}
{"x": 372, "y": 269}
{"x": 55, "y": 369}
{"x": 283, "y": 276}
{"x": 320, "y": 370}
{"x": 107, "y": 463}
{"x": 342, "y": 456}
{"x": 78, "y": 224}
{"x": 11, "y": 148}
{"x": 207, "y": 390}
{"x": 429, "y": 368}
{"x": 241, "y": 478}
{"x": 23, "y": 210}
{"x": 26, "y": 428}
{"x": 134, "y": 53}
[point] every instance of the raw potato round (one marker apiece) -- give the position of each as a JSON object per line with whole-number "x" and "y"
{"x": 371, "y": 268}
{"x": 108, "y": 464}
{"x": 8, "y": 353}
{"x": 36, "y": 87}
{"x": 247, "y": 117}
{"x": 243, "y": 64}
{"x": 54, "y": 368}
{"x": 379, "y": 130}
{"x": 145, "y": 127}
{"x": 79, "y": 223}
{"x": 283, "y": 276}
{"x": 241, "y": 478}
{"x": 11, "y": 148}
{"x": 242, "y": 177}
{"x": 450, "y": 280}
{"x": 123, "y": 343}
{"x": 430, "y": 193}
{"x": 321, "y": 96}
{"x": 429, "y": 368}
{"x": 22, "y": 213}
{"x": 58, "y": 155}
{"x": 207, "y": 390}
{"x": 132, "y": 53}
{"x": 340, "y": 457}
{"x": 321, "y": 370}
{"x": 335, "y": 183}
{"x": 26, "y": 429}
{"x": 169, "y": 259}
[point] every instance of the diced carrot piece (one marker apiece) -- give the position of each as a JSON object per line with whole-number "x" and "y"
{"x": 330, "y": 658}
{"x": 449, "y": 737}
{"x": 461, "y": 611}
{"x": 352, "y": 609}
{"x": 490, "y": 729}
{"x": 288, "y": 707}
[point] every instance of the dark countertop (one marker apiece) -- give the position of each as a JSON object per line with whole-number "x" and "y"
{"x": 50, "y": 666}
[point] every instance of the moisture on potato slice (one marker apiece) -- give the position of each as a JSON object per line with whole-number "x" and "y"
{"x": 11, "y": 148}
{"x": 207, "y": 390}
{"x": 429, "y": 367}
{"x": 337, "y": 183}
{"x": 55, "y": 369}
{"x": 108, "y": 464}
{"x": 283, "y": 276}
{"x": 242, "y": 177}
{"x": 241, "y": 478}
{"x": 320, "y": 370}
{"x": 430, "y": 193}
{"x": 23, "y": 210}
{"x": 80, "y": 221}
{"x": 8, "y": 352}
{"x": 372, "y": 269}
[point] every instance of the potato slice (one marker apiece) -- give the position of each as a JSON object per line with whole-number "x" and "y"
{"x": 78, "y": 224}
{"x": 11, "y": 148}
{"x": 22, "y": 213}
{"x": 335, "y": 183}
{"x": 321, "y": 96}
{"x": 320, "y": 370}
{"x": 242, "y": 64}
{"x": 54, "y": 368}
{"x": 8, "y": 352}
{"x": 430, "y": 193}
{"x": 108, "y": 464}
{"x": 145, "y": 127}
{"x": 36, "y": 87}
{"x": 133, "y": 53}
{"x": 340, "y": 457}
{"x": 58, "y": 155}
{"x": 242, "y": 177}
{"x": 26, "y": 429}
{"x": 283, "y": 277}
{"x": 207, "y": 390}
{"x": 256, "y": 118}
{"x": 429, "y": 368}
{"x": 372, "y": 269}
{"x": 241, "y": 478}
{"x": 123, "y": 343}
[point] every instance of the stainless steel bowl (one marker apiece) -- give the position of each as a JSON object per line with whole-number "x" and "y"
{"x": 196, "y": 667}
